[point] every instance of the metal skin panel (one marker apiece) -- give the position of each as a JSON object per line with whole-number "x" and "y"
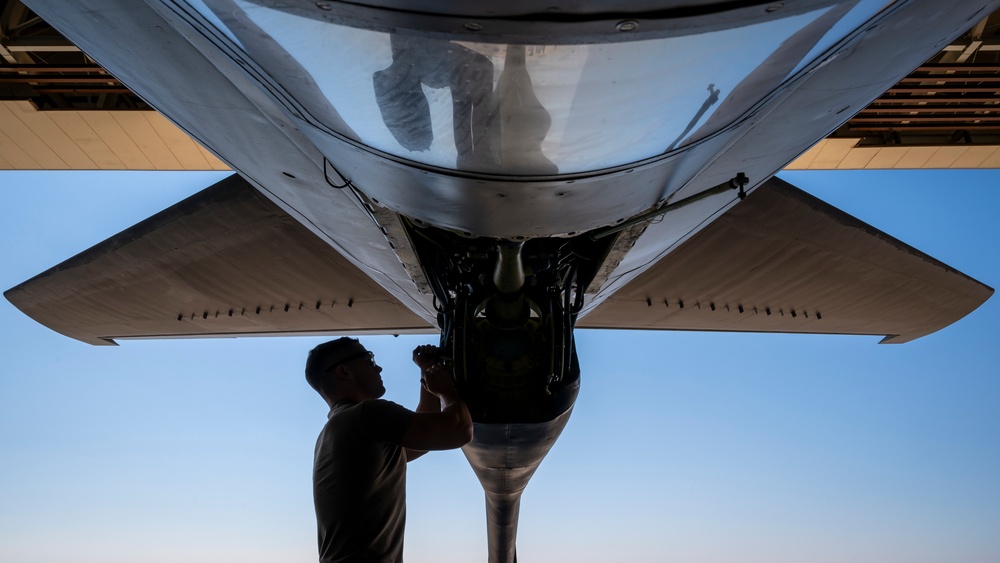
{"x": 224, "y": 262}
{"x": 562, "y": 21}
{"x": 518, "y": 209}
{"x": 784, "y": 261}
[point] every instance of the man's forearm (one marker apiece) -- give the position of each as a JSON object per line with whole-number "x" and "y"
{"x": 450, "y": 400}
{"x": 429, "y": 402}
{"x": 452, "y": 403}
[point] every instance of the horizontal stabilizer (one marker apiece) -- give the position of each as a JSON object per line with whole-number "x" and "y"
{"x": 224, "y": 262}
{"x": 783, "y": 261}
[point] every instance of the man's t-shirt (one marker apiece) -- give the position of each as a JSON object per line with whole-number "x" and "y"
{"x": 359, "y": 482}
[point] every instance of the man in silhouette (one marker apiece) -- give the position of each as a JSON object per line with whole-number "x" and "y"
{"x": 359, "y": 475}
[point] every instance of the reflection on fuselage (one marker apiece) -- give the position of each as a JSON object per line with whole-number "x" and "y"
{"x": 491, "y": 127}
{"x": 525, "y": 109}
{"x": 713, "y": 96}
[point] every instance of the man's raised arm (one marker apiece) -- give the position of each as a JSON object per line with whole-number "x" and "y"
{"x": 441, "y": 421}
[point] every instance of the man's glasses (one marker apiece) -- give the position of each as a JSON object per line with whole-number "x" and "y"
{"x": 366, "y": 354}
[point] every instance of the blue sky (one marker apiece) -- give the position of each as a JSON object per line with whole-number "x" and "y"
{"x": 686, "y": 447}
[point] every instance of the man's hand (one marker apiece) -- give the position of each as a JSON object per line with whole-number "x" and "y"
{"x": 426, "y": 356}
{"x": 435, "y": 377}
{"x": 438, "y": 380}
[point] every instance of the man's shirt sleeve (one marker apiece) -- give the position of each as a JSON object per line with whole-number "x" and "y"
{"x": 385, "y": 421}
